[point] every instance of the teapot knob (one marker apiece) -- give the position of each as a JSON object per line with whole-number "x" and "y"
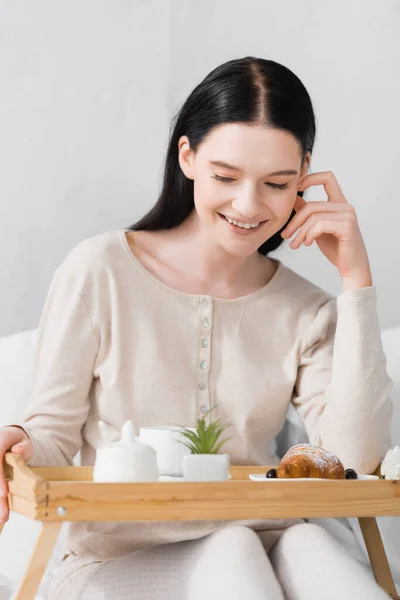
{"x": 128, "y": 432}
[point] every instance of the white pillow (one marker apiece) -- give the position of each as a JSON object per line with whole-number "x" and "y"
{"x": 17, "y": 355}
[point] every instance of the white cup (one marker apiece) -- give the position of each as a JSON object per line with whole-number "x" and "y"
{"x": 170, "y": 452}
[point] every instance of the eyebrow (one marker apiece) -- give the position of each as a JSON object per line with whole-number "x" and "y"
{"x": 220, "y": 163}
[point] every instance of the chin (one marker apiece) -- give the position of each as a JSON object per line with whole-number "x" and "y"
{"x": 241, "y": 251}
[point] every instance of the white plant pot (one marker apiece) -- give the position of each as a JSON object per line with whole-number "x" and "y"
{"x": 205, "y": 467}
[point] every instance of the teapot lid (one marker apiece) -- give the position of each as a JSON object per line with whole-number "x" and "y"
{"x": 128, "y": 437}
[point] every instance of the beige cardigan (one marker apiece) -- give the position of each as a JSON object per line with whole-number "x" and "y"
{"x": 115, "y": 343}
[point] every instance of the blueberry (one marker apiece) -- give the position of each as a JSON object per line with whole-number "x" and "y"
{"x": 271, "y": 473}
{"x": 351, "y": 474}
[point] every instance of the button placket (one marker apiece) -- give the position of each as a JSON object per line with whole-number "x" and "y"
{"x": 204, "y": 349}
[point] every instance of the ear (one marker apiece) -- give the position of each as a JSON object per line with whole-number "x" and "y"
{"x": 186, "y": 157}
{"x": 305, "y": 167}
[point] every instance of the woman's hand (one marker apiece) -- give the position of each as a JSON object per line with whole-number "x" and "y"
{"x": 333, "y": 225}
{"x": 16, "y": 440}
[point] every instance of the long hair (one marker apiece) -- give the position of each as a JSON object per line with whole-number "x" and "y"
{"x": 246, "y": 90}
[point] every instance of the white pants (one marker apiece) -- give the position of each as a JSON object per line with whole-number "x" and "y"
{"x": 306, "y": 563}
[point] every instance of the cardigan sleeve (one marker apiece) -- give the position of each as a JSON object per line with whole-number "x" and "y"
{"x": 342, "y": 389}
{"x": 64, "y": 364}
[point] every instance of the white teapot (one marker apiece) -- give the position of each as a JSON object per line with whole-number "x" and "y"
{"x": 126, "y": 460}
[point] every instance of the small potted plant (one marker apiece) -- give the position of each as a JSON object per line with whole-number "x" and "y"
{"x": 204, "y": 463}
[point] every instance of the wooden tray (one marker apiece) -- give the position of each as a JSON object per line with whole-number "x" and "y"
{"x": 53, "y": 495}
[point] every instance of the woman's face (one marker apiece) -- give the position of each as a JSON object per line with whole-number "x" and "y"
{"x": 234, "y": 174}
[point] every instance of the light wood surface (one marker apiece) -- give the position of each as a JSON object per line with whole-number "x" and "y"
{"x": 39, "y": 493}
{"x": 377, "y": 555}
{"x": 236, "y": 499}
{"x": 38, "y": 561}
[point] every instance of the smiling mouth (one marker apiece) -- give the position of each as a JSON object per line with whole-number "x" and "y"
{"x": 247, "y": 226}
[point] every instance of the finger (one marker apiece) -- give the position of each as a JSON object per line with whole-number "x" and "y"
{"x": 323, "y": 205}
{"x": 23, "y": 449}
{"x": 341, "y": 230}
{"x": 313, "y": 208}
{"x": 4, "y": 511}
{"x": 6, "y": 439}
{"x": 311, "y": 222}
{"x": 3, "y": 482}
{"x": 3, "y": 485}
{"x": 321, "y": 209}
{"x": 330, "y": 183}
{"x": 3, "y": 495}
{"x": 18, "y": 448}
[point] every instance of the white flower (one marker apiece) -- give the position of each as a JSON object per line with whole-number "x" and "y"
{"x": 390, "y": 466}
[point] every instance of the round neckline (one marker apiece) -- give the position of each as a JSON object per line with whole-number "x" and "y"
{"x": 195, "y": 297}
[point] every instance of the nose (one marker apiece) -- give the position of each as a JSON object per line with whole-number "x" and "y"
{"x": 246, "y": 205}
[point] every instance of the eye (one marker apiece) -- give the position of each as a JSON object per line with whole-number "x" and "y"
{"x": 224, "y": 179}
{"x": 275, "y": 186}
{"x": 278, "y": 186}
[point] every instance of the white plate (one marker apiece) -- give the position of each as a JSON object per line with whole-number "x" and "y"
{"x": 261, "y": 477}
{"x": 172, "y": 478}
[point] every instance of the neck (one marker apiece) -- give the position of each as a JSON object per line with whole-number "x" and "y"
{"x": 213, "y": 265}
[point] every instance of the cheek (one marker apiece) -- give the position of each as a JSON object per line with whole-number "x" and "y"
{"x": 281, "y": 203}
{"x": 207, "y": 196}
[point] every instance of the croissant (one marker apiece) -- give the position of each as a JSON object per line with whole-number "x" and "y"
{"x": 306, "y": 460}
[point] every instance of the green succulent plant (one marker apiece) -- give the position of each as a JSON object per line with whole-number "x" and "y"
{"x": 205, "y": 440}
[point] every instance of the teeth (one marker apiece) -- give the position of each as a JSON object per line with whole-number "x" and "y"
{"x": 242, "y": 225}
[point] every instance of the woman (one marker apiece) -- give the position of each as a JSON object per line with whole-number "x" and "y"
{"x": 186, "y": 310}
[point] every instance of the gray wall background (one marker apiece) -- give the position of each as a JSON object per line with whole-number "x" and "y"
{"x": 88, "y": 89}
